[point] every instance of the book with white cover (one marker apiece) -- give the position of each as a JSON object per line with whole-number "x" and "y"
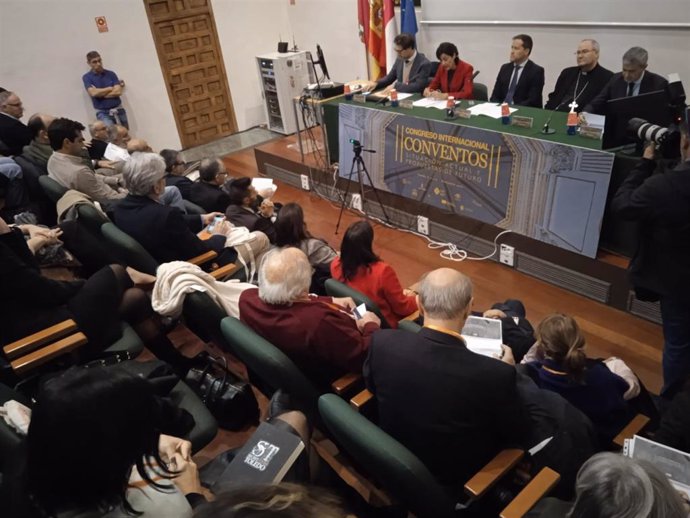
{"x": 483, "y": 335}
{"x": 675, "y": 464}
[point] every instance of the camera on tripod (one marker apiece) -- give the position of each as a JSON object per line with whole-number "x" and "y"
{"x": 667, "y": 139}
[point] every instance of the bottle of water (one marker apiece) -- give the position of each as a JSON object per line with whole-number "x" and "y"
{"x": 505, "y": 113}
{"x": 450, "y": 107}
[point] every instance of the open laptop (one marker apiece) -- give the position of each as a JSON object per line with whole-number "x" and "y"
{"x": 483, "y": 335}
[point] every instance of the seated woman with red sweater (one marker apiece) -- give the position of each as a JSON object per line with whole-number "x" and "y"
{"x": 453, "y": 77}
{"x": 360, "y": 268}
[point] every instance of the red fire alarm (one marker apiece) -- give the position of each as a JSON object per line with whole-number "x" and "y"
{"x": 102, "y": 24}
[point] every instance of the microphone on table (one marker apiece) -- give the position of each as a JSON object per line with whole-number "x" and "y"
{"x": 546, "y": 130}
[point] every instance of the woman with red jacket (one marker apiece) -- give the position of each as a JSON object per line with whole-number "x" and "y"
{"x": 453, "y": 77}
{"x": 360, "y": 268}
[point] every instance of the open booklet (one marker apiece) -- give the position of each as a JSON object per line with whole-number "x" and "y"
{"x": 675, "y": 464}
{"x": 483, "y": 335}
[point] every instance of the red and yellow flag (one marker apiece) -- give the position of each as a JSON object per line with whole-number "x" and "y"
{"x": 377, "y": 30}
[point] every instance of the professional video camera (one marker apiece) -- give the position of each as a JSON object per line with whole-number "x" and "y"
{"x": 667, "y": 138}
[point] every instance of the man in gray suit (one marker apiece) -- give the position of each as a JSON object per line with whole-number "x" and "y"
{"x": 410, "y": 72}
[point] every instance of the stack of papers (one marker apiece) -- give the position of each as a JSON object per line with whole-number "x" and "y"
{"x": 430, "y": 102}
{"x": 264, "y": 186}
{"x": 492, "y": 110}
{"x": 594, "y": 120}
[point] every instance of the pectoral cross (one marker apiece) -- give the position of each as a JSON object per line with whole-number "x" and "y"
{"x": 573, "y": 105}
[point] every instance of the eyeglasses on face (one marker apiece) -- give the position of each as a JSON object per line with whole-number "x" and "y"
{"x": 581, "y": 52}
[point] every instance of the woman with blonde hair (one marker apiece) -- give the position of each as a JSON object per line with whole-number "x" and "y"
{"x": 558, "y": 362}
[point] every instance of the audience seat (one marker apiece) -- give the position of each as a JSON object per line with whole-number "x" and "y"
{"x": 33, "y": 351}
{"x": 272, "y": 368}
{"x": 53, "y": 190}
{"x": 406, "y": 478}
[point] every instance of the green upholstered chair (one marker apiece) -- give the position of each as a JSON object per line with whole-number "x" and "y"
{"x": 128, "y": 250}
{"x": 193, "y": 208}
{"x": 338, "y": 289}
{"x": 129, "y": 342}
{"x": 390, "y": 463}
{"x": 205, "y": 425}
{"x": 409, "y": 325}
{"x": 273, "y": 368}
{"x": 53, "y": 190}
{"x": 480, "y": 92}
{"x": 92, "y": 218}
{"x": 407, "y": 479}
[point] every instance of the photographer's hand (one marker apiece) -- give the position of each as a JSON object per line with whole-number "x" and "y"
{"x": 649, "y": 151}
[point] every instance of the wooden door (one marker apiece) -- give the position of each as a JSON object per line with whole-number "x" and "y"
{"x": 189, "y": 53}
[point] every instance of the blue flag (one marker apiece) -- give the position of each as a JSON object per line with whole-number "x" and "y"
{"x": 408, "y": 18}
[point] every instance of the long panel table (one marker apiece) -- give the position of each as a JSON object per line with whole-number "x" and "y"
{"x": 552, "y": 188}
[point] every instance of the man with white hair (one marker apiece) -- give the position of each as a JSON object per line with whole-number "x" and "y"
{"x": 164, "y": 231}
{"x": 633, "y": 80}
{"x": 13, "y": 132}
{"x": 581, "y": 83}
{"x": 451, "y": 407}
{"x": 319, "y": 334}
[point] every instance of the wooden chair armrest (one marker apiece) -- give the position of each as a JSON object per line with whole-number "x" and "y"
{"x": 497, "y": 467}
{"x": 361, "y": 399}
{"x": 345, "y": 383}
{"x": 223, "y": 271}
{"x": 203, "y": 258}
{"x": 45, "y": 354}
{"x": 32, "y": 342}
{"x": 539, "y": 486}
{"x": 412, "y": 316}
{"x": 633, "y": 427}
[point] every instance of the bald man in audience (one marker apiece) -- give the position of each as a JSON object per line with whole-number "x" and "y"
{"x": 138, "y": 145}
{"x": 451, "y": 407}
{"x": 319, "y": 334}
{"x": 581, "y": 83}
{"x": 13, "y": 132}
{"x": 38, "y": 151}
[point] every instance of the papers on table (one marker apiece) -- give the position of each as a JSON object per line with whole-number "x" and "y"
{"x": 430, "y": 102}
{"x": 492, "y": 110}
{"x": 594, "y": 120}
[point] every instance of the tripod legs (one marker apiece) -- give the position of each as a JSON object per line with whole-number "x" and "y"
{"x": 359, "y": 166}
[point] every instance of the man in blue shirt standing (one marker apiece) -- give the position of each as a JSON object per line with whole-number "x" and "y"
{"x": 105, "y": 89}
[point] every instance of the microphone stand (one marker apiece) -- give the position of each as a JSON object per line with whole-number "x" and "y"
{"x": 546, "y": 130}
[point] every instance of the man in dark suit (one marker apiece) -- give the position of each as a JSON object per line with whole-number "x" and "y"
{"x": 581, "y": 83}
{"x": 409, "y": 73}
{"x": 660, "y": 269}
{"x": 164, "y": 231}
{"x": 451, "y": 407}
{"x": 521, "y": 81}
{"x": 207, "y": 192}
{"x": 13, "y": 132}
{"x": 242, "y": 211}
{"x": 633, "y": 80}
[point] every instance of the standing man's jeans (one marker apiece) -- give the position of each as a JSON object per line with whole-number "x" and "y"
{"x": 108, "y": 117}
{"x": 675, "y": 319}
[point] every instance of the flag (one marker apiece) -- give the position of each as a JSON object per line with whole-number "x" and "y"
{"x": 408, "y": 17}
{"x": 376, "y": 30}
{"x": 391, "y": 31}
{"x": 363, "y": 20}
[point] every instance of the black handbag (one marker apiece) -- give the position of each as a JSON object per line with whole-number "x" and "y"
{"x": 230, "y": 400}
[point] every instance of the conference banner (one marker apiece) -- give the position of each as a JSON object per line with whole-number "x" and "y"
{"x": 549, "y": 191}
